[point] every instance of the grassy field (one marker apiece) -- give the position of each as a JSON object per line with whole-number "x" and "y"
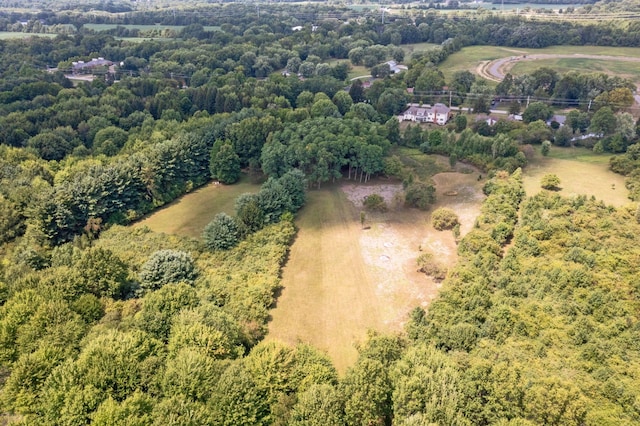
{"x": 418, "y": 47}
{"x": 189, "y": 214}
{"x": 176, "y": 28}
{"x": 629, "y": 70}
{"x": 580, "y": 172}
{"x": 355, "y": 71}
{"x": 7, "y": 35}
{"x": 469, "y": 57}
{"x": 327, "y": 298}
{"x": 342, "y": 280}
{"x": 142, "y": 39}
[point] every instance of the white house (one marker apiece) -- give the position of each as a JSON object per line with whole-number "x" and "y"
{"x": 438, "y": 113}
{"x": 395, "y": 68}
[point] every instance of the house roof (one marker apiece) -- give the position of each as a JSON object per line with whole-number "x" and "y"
{"x": 421, "y": 111}
{"x": 95, "y": 62}
{"x": 441, "y": 109}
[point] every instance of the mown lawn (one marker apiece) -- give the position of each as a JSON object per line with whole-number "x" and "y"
{"x": 581, "y": 172}
{"x": 176, "y": 28}
{"x": 189, "y": 214}
{"x": 327, "y": 298}
{"x": 625, "y": 69}
{"x": 470, "y": 57}
{"x": 6, "y": 35}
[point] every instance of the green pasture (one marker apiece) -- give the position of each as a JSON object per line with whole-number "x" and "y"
{"x": 581, "y": 172}
{"x": 470, "y": 57}
{"x": 189, "y": 214}
{"x": 418, "y": 47}
{"x": 355, "y": 71}
{"x": 327, "y": 299}
{"x": 358, "y": 71}
{"x": 143, "y": 39}
{"x": 9, "y": 35}
{"x": 578, "y": 154}
{"x": 625, "y": 69}
{"x": 176, "y": 28}
{"x": 424, "y": 166}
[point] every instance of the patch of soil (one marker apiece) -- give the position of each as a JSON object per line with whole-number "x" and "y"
{"x": 389, "y": 192}
{"x": 463, "y": 194}
{"x": 391, "y": 246}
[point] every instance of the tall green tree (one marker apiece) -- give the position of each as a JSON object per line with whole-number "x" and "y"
{"x": 225, "y": 165}
{"x": 221, "y": 233}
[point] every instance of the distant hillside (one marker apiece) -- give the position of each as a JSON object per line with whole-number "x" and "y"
{"x": 524, "y": 3}
{"x": 616, "y": 6}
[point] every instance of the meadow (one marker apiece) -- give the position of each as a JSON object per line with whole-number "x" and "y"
{"x": 470, "y": 57}
{"x": 176, "y": 28}
{"x": 189, "y": 214}
{"x": 580, "y": 171}
{"x": 8, "y": 35}
{"x": 629, "y": 70}
{"x": 341, "y": 279}
{"x": 417, "y": 47}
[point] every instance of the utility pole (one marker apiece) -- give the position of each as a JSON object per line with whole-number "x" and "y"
{"x": 449, "y": 98}
{"x": 528, "y": 97}
{"x": 589, "y": 107}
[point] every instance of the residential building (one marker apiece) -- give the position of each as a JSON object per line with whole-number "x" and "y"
{"x": 438, "y": 113}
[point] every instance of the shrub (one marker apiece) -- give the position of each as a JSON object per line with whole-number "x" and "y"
{"x": 429, "y": 266}
{"x": 550, "y": 182}
{"x": 443, "y": 218}
{"x": 221, "y": 233}
{"x": 546, "y": 146}
{"x": 167, "y": 266}
{"x": 375, "y": 203}
{"x": 420, "y": 195}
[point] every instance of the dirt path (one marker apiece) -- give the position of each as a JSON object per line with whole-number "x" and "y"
{"x": 495, "y": 70}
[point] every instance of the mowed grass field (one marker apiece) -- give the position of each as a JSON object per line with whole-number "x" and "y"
{"x": 581, "y": 172}
{"x": 189, "y": 214}
{"x": 418, "y": 47}
{"x": 327, "y": 299}
{"x": 470, "y": 57}
{"x": 341, "y": 280}
{"x": 8, "y": 35}
{"x": 629, "y": 70}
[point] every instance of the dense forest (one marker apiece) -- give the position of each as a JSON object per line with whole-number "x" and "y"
{"x": 104, "y": 324}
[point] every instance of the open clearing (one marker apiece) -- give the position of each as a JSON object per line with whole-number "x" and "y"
{"x": 579, "y": 173}
{"x": 342, "y": 280}
{"x": 418, "y": 47}
{"x": 495, "y": 70}
{"x": 478, "y": 58}
{"x": 189, "y": 214}
{"x": 9, "y": 35}
{"x": 626, "y": 69}
{"x": 176, "y": 28}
